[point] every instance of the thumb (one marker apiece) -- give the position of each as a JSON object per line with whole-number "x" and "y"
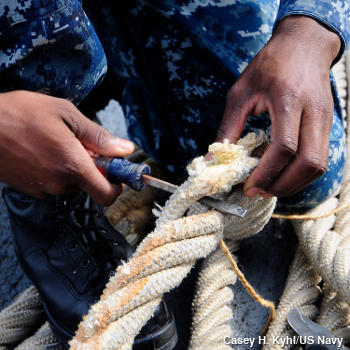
{"x": 96, "y": 138}
{"x": 235, "y": 116}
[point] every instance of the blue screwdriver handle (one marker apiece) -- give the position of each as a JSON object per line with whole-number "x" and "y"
{"x": 119, "y": 170}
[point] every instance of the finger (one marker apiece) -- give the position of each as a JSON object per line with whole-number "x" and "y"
{"x": 311, "y": 160}
{"x": 94, "y": 136}
{"x": 237, "y": 109}
{"x": 90, "y": 180}
{"x": 285, "y": 123}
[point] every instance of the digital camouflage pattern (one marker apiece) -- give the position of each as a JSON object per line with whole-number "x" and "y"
{"x": 176, "y": 59}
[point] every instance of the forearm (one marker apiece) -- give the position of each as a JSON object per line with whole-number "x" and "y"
{"x": 335, "y": 15}
{"x": 311, "y": 36}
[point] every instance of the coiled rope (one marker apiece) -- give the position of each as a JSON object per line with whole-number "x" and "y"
{"x": 166, "y": 255}
{"x": 323, "y": 254}
{"x": 117, "y": 318}
{"x": 19, "y": 319}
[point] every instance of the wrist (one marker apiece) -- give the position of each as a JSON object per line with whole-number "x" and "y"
{"x": 311, "y": 35}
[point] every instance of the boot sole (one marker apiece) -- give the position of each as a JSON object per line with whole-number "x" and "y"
{"x": 164, "y": 339}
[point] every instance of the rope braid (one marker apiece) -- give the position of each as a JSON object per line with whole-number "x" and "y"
{"x": 300, "y": 292}
{"x": 43, "y": 339}
{"x": 167, "y": 254}
{"x": 323, "y": 253}
{"x": 212, "y": 304}
{"x": 20, "y": 318}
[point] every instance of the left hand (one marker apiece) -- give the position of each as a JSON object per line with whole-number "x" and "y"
{"x": 289, "y": 78}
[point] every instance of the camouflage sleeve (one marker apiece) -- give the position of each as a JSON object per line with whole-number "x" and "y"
{"x": 333, "y": 13}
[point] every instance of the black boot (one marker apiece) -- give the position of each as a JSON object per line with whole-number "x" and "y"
{"x": 69, "y": 250}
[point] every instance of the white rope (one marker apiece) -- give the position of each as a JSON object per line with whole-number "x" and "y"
{"x": 20, "y": 319}
{"x": 212, "y": 304}
{"x": 166, "y": 255}
{"x": 300, "y": 292}
{"x": 43, "y": 339}
{"x": 324, "y": 251}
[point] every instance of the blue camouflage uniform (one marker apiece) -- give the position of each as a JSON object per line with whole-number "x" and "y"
{"x": 176, "y": 59}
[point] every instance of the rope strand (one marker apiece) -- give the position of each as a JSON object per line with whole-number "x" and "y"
{"x": 311, "y": 217}
{"x": 250, "y": 289}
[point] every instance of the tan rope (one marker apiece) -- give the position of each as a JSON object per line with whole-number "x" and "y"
{"x": 323, "y": 252}
{"x": 311, "y": 217}
{"x": 167, "y": 254}
{"x": 301, "y": 289}
{"x": 250, "y": 289}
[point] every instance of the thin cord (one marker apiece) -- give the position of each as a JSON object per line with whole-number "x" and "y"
{"x": 311, "y": 217}
{"x": 250, "y": 289}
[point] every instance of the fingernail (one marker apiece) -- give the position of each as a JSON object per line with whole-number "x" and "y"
{"x": 208, "y": 156}
{"x": 125, "y": 144}
{"x": 252, "y": 192}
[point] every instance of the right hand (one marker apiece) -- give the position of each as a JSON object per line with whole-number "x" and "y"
{"x": 44, "y": 143}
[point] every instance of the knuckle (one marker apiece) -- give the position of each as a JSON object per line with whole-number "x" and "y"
{"x": 269, "y": 176}
{"x": 290, "y": 107}
{"x": 319, "y": 110}
{"x": 290, "y": 98}
{"x": 101, "y": 136}
{"x": 68, "y": 114}
{"x": 287, "y": 146}
{"x": 320, "y": 118}
{"x": 69, "y": 171}
{"x": 314, "y": 162}
{"x": 287, "y": 109}
{"x": 266, "y": 177}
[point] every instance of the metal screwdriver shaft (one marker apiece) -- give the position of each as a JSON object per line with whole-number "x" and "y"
{"x": 119, "y": 170}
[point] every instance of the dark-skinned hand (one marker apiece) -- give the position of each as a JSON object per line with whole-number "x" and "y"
{"x": 44, "y": 147}
{"x": 289, "y": 78}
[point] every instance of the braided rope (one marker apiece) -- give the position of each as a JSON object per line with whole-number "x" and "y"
{"x": 212, "y": 304}
{"x": 212, "y": 300}
{"x": 334, "y": 313}
{"x": 43, "y": 339}
{"x": 166, "y": 255}
{"x": 300, "y": 292}
{"x": 20, "y": 318}
{"x": 324, "y": 246}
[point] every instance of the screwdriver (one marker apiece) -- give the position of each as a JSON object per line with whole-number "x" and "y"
{"x": 118, "y": 170}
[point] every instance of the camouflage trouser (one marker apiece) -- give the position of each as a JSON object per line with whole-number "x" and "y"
{"x": 176, "y": 67}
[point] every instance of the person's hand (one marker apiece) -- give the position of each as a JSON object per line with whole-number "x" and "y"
{"x": 289, "y": 78}
{"x": 43, "y": 147}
